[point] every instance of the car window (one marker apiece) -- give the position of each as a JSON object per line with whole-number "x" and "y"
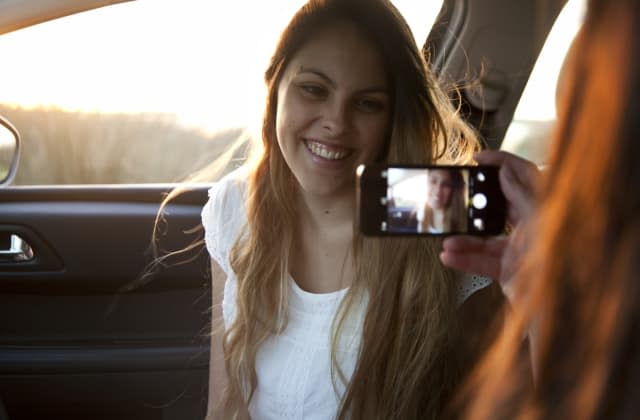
{"x": 530, "y": 132}
{"x": 144, "y": 91}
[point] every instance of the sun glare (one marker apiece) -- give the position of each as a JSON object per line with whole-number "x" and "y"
{"x": 194, "y": 59}
{"x": 538, "y": 98}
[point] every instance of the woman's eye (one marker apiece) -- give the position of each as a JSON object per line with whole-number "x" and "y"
{"x": 370, "y": 105}
{"x": 313, "y": 91}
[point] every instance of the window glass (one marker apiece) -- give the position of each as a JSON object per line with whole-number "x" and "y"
{"x": 144, "y": 91}
{"x": 532, "y": 127}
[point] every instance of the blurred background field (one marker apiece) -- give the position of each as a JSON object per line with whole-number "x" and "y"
{"x": 66, "y": 147}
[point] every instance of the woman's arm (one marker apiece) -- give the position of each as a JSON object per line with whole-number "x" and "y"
{"x": 217, "y": 371}
{"x": 499, "y": 257}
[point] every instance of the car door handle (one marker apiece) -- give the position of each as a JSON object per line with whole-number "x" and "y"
{"x": 19, "y": 250}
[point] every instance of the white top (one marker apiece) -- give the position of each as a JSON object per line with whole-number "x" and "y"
{"x": 293, "y": 368}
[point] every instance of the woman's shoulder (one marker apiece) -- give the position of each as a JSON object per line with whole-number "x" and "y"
{"x": 468, "y": 284}
{"x": 226, "y": 198}
{"x": 232, "y": 187}
{"x": 480, "y": 317}
{"x": 482, "y": 304}
{"x": 224, "y": 214}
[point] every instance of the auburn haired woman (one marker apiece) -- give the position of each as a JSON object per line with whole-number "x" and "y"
{"x": 574, "y": 279}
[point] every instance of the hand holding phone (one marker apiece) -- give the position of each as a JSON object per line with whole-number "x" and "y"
{"x": 430, "y": 200}
{"x": 498, "y": 257}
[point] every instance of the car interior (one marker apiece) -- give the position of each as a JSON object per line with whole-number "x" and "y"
{"x": 90, "y": 327}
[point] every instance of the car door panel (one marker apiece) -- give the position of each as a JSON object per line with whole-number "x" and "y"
{"x": 80, "y": 333}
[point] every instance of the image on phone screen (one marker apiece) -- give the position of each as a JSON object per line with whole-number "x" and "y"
{"x": 433, "y": 200}
{"x": 427, "y": 200}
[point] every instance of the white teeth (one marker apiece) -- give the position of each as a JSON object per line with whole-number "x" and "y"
{"x": 321, "y": 150}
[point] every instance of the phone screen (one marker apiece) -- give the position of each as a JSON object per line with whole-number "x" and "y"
{"x": 436, "y": 200}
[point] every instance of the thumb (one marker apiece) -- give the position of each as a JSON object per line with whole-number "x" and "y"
{"x": 519, "y": 194}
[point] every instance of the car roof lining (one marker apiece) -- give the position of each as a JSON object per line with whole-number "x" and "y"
{"x": 18, "y": 14}
{"x": 489, "y": 48}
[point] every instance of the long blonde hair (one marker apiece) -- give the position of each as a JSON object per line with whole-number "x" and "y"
{"x": 402, "y": 371}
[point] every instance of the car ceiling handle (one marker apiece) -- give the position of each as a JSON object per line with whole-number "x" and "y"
{"x": 19, "y": 250}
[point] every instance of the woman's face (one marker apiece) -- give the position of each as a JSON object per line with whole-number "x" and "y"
{"x": 440, "y": 189}
{"x": 333, "y": 110}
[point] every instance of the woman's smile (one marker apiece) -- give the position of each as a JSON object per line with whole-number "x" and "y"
{"x": 327, "y": 151}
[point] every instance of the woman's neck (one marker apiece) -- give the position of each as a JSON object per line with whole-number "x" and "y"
{"x": 326, "y": 212}
{"x": 320, "y": 258}
{"x": 437, "y": 220}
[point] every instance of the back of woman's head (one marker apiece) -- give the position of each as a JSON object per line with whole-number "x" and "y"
{"x": 579, "y": 281}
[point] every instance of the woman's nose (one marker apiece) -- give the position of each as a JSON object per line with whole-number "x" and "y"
{"x": 336, "y": 117}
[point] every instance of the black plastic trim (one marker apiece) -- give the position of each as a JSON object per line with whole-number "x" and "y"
{"x": 26, "y": 360}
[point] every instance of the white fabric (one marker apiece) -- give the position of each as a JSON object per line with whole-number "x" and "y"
{"x": 293, "y": 368}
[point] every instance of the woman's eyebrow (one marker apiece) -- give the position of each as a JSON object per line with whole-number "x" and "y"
{"x": 318, "y": 73}
{"x": 330, "y": 82}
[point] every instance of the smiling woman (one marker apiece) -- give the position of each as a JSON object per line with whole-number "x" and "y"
{"x": 193, "y": 65}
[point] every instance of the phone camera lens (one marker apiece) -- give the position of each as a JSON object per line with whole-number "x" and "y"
{"x": 479, "y": 201}
{"x": 481, "y": 177}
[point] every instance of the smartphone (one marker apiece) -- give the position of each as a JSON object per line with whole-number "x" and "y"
{"x": 430, "y": 200}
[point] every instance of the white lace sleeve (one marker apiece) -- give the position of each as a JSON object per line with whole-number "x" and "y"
{"x": 469, "y": 284}
{"x": 223, "y": 217}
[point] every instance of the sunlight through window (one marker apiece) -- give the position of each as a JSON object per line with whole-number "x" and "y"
{"x": 199, "y": 60}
